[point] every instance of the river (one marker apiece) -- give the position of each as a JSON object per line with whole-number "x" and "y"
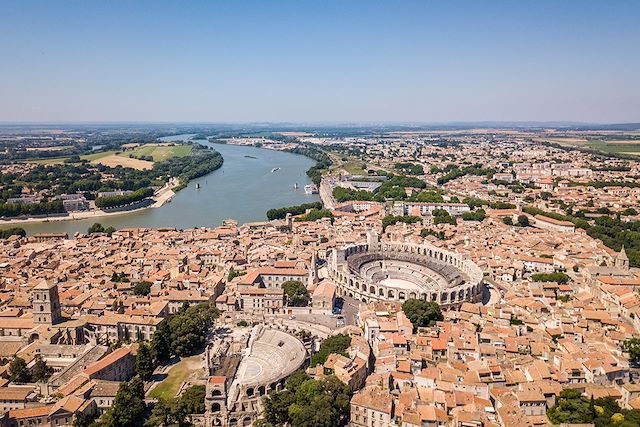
{"x": 244, "y": 188}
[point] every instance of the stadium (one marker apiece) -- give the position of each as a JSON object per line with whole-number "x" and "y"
{"x": 382, "y": 271}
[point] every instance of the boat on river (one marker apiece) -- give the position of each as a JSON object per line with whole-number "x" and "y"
{"x": 275, "y": 169}
{"x": 310, "y": 189}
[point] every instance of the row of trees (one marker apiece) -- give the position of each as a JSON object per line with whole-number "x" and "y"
{"x": 99, "y": 228}
{"x": 316, "y": 214}
{"x": 477, "y": 215}
{"x": 281, "y": 213}
{"x": 427, "y": 197}
{"x": 440, "y": 216}
{"x": 15, "y": 231}
{"x": 202, "y": 161}
{"x": 40, "y": 208}
{"x": 323, "y": 161}
{"x": 410, "y": 168}
{"x": 561, "y": 278}
{"x": 126, "y": 199}
{"x": 474, "y": 202}
{"x": 453, "y": 172}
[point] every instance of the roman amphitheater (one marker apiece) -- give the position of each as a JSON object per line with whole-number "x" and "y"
{"x": 246, "y": 368}
{"x": 383, "y": 271}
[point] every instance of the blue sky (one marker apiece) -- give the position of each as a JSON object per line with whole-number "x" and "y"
{"x": 320, "y": 61}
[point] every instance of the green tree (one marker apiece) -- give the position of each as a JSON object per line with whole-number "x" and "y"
{"x": 192, "y": 400}
{"x": 128, "y": 406}
{"x": 308, "y": 402}
{"x": 80, "y": 419}
{"x": 523, "y": 221}
{"x": 161, "y": 343}
{"x": 296, "y": 380}
{"x": 561, "y": 278}
{"x": 142, "y": 288}
{"x": 144, "y": 361}
{"x": 95, "y": 228}
{"x": 41, "y": 372}
{"x": 477, "y": 215}
{"x": 632, "y": 346}
{"x": 297, "y": 293}
{"x": 421, "y": 313}
{"x": 337, "y": 344}
{"x": 440, "y": 216}
{"x": 161, "y": 414}
{"x": 276, "y": 407}
{"x": 571, "y": 408}
{"x": 18, "y": 372}
{"x": 15, "y": 231}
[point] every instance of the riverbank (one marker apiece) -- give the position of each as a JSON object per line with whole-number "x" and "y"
{"x": 160, "y": 197}
{"x": 242, "y": 188}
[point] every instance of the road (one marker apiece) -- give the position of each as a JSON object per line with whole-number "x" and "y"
{"x": 350, "y": 310}
{"x": 326, "y": 195}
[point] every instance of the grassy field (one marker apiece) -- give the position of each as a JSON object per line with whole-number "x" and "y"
{"x": 49, "y": 161}
{"x": 176, "y": 376}
{"x": 628, "y": 147}
{"x": 352, "y": 168}
{"x": 612, "y": 146}
{"x": 59, "y": 160}
{"x": 160, "y": 152}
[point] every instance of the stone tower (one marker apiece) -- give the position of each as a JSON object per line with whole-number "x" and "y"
{"x": 216, "y": 401}
{"x": 622, "y": 261}
{"x": 46, "y": 305}
{"x": 313, "y": 271}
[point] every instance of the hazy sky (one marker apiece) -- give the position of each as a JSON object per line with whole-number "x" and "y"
{"x": 312, "y": 61}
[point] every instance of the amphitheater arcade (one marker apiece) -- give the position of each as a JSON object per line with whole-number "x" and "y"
{"x": 389, "y": 271}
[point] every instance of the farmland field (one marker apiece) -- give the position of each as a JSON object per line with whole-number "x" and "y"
{"x": 627, "y": 147}
{"x": 160, "y": 153}
{"x": 602, "y": 144}
{"x": 59, "y": 160}
{"x": 114, "y": 160}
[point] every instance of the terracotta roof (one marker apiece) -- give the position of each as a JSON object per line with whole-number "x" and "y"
{"x": 110, "y": 359}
